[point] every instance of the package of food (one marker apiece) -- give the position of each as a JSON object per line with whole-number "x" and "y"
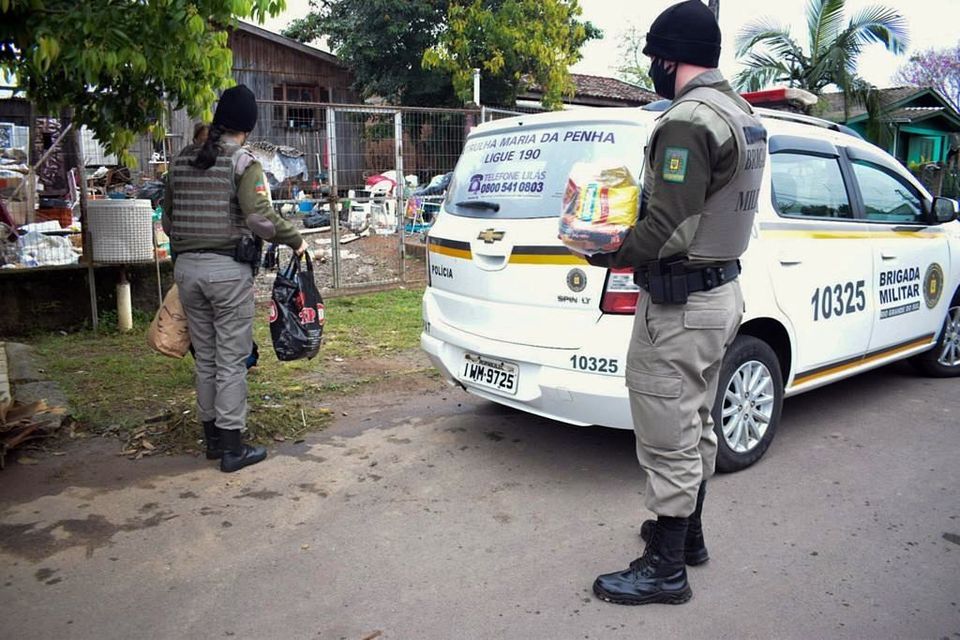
{"x": 600, "y": 207}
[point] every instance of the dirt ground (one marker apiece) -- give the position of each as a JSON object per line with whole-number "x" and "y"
{"x": 59, "y": 463}
{"x": 426, "y": 513}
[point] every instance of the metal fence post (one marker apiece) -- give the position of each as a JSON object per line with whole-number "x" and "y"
{"x": 334, "y": 196}
{"x": 401, "y": 185}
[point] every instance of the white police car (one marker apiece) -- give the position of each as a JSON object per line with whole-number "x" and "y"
{"x": 852, "y": 265}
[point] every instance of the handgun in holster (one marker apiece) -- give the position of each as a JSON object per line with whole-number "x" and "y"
{"x": 668, "y": 281}
{"x": 248, "y": 250}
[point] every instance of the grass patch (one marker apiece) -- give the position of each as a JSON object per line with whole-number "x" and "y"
{"x": 118, "y": 385}
{"x": 378, "y": 323}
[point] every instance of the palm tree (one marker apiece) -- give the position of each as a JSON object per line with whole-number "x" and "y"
{"x": 771, "y": 55}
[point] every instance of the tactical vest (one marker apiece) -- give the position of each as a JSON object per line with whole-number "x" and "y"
{"x": 726, "y": 221}
{"x": 206, "y": 212}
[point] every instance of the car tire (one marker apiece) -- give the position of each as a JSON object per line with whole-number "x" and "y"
{"x": 943, "y": 360}
{"x": 749, "y": 400}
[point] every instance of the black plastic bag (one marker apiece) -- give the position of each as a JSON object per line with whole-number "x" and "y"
{"x": 296, "y": 312}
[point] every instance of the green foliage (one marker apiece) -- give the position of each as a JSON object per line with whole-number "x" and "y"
{"x": 423, "y": 52}
{"x": 373, "y": 324}
{"x": 772, "y": 56}
{"x": 117, "y": 62}
{"x": 951, "y": 184}
{"x": 514, "y": 43}
{"x": 383, "y": 42}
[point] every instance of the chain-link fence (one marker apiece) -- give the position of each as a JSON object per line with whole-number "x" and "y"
{"x": 491, "y": 114}
{"x": 362, "y": 181}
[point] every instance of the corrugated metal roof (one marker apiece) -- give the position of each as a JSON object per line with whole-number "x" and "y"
{"x": 911, "y": 114}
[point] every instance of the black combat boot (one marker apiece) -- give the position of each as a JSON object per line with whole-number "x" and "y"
{"x": 659, "y": 575}
{"x": 211, "y": 437}
{"x": 695, "y": 551}
{"x": 236, "y": 454}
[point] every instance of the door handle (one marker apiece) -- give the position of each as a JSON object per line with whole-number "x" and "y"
{"x": 887, "y": 256}
{"x": 490, "y": 263}
{"x": 789, "y": 260}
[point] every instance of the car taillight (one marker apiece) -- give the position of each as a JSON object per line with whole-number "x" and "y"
{"x": 619, "y": 292}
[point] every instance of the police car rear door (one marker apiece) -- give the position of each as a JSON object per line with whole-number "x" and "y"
{"x": 911, "y": 257}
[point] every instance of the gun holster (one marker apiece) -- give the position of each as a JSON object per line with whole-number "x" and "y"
{"x": 248, "y": 250}
{"x": 667, "y": 281}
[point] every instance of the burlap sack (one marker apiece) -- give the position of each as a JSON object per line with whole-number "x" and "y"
{"x": 168, "y": 332}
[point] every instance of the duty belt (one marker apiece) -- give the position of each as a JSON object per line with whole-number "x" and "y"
{"x": 230, "y": 253}
{"x": 671, "y": 282}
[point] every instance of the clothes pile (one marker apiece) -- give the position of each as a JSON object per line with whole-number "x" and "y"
{"x": 279, "y": 162}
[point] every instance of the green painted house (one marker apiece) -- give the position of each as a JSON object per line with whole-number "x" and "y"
{"x": 926, "y": 126}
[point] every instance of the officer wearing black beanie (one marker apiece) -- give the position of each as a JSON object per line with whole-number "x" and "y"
{"x": 217, "y": 201}
{"x": 704, "y": 164}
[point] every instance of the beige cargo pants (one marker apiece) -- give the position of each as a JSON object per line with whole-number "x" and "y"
{"x": 673, "y": 365}
{"x": 217, "y": 295}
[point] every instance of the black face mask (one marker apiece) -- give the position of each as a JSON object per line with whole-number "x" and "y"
{"x": 664, "y": 82}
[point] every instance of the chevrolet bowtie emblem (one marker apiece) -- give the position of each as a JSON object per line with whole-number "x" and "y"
{"x": 489, "y": 236}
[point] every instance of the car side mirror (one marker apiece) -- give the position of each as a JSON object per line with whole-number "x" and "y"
{"x": 944, "y": 210}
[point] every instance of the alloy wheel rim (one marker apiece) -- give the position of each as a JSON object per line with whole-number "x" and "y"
{"x": 747, "y": 406}
{"x": 950, "y": 351}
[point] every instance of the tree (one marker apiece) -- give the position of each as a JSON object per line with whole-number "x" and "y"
{"x": 383, "y": 42}
{"x": 118, "y": 62}
{"x": 935, "y": 68}
{"x": 515, "y": 43}
{"x": 771, "y": 55}
{"x": 634, "y": 67}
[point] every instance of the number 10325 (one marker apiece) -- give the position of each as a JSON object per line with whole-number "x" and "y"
{"x": 838, "y": 300}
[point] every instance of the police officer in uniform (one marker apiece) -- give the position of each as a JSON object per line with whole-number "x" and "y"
{"x": 702, "y": 174}
{"x": 217, "y": 202}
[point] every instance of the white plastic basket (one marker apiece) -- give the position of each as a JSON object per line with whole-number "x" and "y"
{"x": 121, "y": 231}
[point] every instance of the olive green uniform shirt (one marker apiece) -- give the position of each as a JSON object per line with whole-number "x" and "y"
{"x": 692, "y": 154}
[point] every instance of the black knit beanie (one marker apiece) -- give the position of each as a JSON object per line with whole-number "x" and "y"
{"x": 686, "y": 32}
{"x": 237, "y": 109}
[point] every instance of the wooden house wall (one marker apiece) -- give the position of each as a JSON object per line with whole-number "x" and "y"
{"x": 262, "y": 64}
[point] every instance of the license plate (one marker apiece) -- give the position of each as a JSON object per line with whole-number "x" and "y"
{"x": 494, "y": 374}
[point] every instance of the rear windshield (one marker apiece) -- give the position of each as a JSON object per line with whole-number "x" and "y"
{"x": 522, "y": 172}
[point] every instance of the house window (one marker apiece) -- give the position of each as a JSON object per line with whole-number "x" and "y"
{"x": 290, "y": 115}
{"x": 924, "y": 149}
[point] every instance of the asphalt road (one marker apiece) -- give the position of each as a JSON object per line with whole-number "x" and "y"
{"x": 436, "y": 516}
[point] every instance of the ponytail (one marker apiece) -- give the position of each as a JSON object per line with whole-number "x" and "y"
{"x": 211, "y": 148}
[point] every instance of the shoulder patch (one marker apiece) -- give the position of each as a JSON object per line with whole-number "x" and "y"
{"x": 675, "y": 164}
{"x": 261, "y": 186}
